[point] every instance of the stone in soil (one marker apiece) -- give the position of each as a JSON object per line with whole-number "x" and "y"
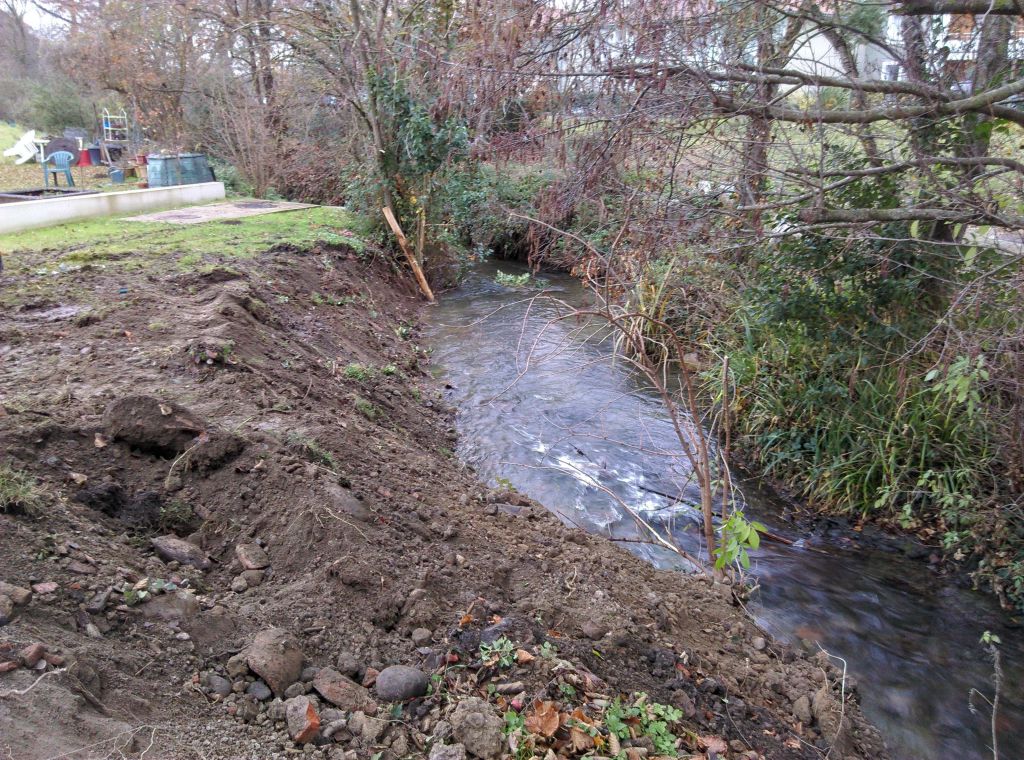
{"x": 32, "y": 654}
{"x": 46, "y": 587}
{"x": 400, "y": 682}
{"x": 448, "y": 752}
{"x": 152, "y": 425}
{"x": 252, "y": 557}
{"x": 477, "y": 726}
{"x": 16, "y": 594}
{"x": 348, "y": 665}
{"x": 178, "y": 607}
{"x": 6, "y": 609}
{"x": 275, "y": 656}
{"x": 253, "y": 578}
{"x": 421, "y": 637}
{"x": 802, "y": 710}
{"x": 343, "y": 692}
{"x": 259, "y": 690}
{"x": 239, "y": 584}
{"x": 361, "y": 724}
{"x": 303, "y": 721}
{"x": 174, "y": 549}
{"x": 218, "y": 685}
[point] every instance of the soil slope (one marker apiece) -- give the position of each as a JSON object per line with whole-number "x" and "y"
{"x": 239, "y": 505}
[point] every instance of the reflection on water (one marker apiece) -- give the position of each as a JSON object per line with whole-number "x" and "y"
{"x": 542, "y": 404}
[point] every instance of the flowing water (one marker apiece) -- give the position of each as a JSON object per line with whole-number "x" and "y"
{"x": 542, "y": 404}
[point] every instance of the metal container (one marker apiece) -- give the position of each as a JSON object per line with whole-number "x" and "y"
{"x": 180, "y": 169}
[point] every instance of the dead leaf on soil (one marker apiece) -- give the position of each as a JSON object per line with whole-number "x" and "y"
{"x": 523, "y": 657}
{"x": 544, "y": 719}
{"x": 79, "y": 478}
{"x": 713, "y": 744}
{"x": 581, "y": 740}
{"x": 165, "y": 410}
{"x": 100, "y": 441}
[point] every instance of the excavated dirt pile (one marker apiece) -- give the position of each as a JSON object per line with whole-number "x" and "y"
{"x": 233, "y": 527}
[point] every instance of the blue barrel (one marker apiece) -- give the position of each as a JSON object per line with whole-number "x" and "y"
{"x": 180, "y": 169}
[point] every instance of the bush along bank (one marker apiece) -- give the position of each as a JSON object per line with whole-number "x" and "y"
{"x": 234, "y": 529}
{"x": 855, "y": 385}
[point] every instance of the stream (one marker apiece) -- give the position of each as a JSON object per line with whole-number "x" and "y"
{"x": 542, "y": 404}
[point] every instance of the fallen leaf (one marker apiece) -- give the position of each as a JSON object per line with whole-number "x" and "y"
{"x": 100, "y": 441}
{"x": 165, "y": 410}
{"x": 581, "y": 740}
{"x": 79, "y": 478}
{"x": 713, "y": 744}
{"x": 523, "y": 657}
{"x": 465, "y": 620}
{"x": 544, "y": 719}
{"x": 792, "y": 743}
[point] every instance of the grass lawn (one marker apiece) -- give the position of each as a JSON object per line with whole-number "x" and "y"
{"x": 38, "y": 258}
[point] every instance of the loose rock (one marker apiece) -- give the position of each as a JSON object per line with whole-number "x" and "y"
{"x": 400, "y": 682}
{"x": 174, "y": 549}
{"x": 475, "y": 725}
{"x": 275, "y": 656}
{"x": 259, "y": 690}
{"x": 217, "y": 684}
{"x": 448, "y": 752}
{"x": 252, "y": 556}
{"x": 31, "y": 654}
{"x": 6, "y": 609}
{"x": 303, "y": 721}
{"x": 421, "y": 637}
{"x": 343, "y": 692}
{"x": 17, "y": 594}
{"x": 802, "y": 710}
{"x": 141, "y": 421}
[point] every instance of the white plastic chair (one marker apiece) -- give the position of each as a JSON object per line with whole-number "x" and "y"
{"x": 24, "y": 149}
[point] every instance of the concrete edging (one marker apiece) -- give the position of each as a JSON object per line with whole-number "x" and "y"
{"x": 48, "y": 212}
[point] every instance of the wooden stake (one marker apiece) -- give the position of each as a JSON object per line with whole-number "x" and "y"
{"x": 389, "y": 215}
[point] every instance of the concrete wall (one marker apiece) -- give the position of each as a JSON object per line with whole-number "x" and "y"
{"x": 27, "y": 215}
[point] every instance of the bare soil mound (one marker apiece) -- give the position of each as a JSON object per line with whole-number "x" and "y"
{"x": 242, "y": 509}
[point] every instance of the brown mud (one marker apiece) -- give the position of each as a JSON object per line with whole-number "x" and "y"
{"x": 283, "y": 404}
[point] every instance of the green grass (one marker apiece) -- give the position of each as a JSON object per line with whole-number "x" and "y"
{"x": 19, "y": 492}
{"x": 114, "y": 241}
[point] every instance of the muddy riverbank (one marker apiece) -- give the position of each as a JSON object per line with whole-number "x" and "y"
{"x": 222, "y": 451}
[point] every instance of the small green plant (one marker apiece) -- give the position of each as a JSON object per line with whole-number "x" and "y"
{"x": 176, "y": 515}
{"x": 649, "y": 719}
{"x": 548, "y": 650}
{"x": 314, "y": 451}
{"x": 365, "y": 408}
{"x": 145, "y": 589}
{"x": 389, "y": 370}
{"x": 738, "y": 537}
{"x": 514, "y": 722}
{"x": 502, "y": 651}
{"x": 505, "y": 484}
{"x": 19, "y": 492}
{"x": 318, "y": 299}
{"x": 358, "y": 372}
{"x": 403, "y": 331}
{"x": 513, "y": 280}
